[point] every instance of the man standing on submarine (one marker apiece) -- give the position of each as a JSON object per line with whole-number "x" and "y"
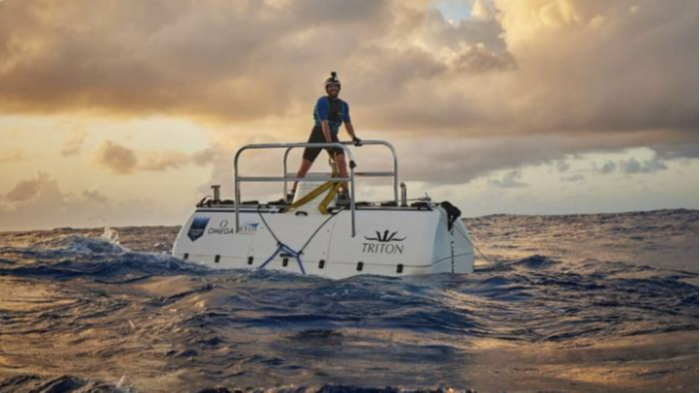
{"x": 330, "y": 113}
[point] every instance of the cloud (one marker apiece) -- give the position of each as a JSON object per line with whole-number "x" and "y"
{"x": 27, "y": 190}
{"x": 13, "y": 155}
{"x": 123, "y": 160}
{"x": 94, "y": 196}
{"x": 40, "y": 203}
{"x": 175, "y": 57}
{"x": 479, "y": 59}
{"x": 116, "y": 158}
{"x": 441, "y": 34}
{"x": 562, "y": 166}
{"x": 671, "y": 152}
{"x": 627, "y": 69}
{"x": 632, "y": 166}
{"x": 509, "y": 180}
{"x": 72, "y": 145}
{"x": 162, "y": 161}
{"x": 607, "y": 168}
{"x": 482, "y": 11}
{"x": 569, "y": 75}
{"x": 458, "y": 161}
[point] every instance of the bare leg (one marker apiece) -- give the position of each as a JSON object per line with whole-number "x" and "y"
{"x": 303, "y": 170}
{"x": 342, "y": 168}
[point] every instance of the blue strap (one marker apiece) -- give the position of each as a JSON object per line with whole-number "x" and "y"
{"x": 281, "y": 247}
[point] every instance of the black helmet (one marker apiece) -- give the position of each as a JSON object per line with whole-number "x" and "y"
{"x": 332, "y": 79}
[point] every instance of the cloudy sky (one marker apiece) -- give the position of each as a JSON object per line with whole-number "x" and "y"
{"x": 122, "y": 112}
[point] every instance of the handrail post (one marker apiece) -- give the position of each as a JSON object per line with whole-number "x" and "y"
{"x": 236, "y": 188}
{"x": 396, "y": 176}
{"x": 352, "y": 196}
{"x": 236, "y": 191}
{"x": 284, "y": 169}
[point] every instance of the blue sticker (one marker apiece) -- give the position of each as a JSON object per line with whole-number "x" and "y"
{"x": 199, "y": 224}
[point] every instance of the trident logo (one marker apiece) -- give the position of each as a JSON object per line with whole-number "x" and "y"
{"x": 386, "y": 237}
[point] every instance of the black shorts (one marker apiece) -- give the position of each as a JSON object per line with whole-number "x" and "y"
{"x": 310, "y": 153}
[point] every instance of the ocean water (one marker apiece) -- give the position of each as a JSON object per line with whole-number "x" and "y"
{"x": 605, "y": 302}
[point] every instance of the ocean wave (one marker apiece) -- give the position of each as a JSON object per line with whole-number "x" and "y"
{"x": 97, "y": 300}
{"x": 514, "y": 300}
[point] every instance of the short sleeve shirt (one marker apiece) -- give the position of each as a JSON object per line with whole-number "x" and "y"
{"x": 335, "y": 111}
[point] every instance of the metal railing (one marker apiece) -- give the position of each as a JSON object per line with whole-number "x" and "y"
{"x": 286, "y": 178}
{"x": 394, "y": 174}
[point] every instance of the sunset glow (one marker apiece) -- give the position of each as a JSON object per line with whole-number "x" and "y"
{"x": 124, "y": 112}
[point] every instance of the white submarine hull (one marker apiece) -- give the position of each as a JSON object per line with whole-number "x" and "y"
{"x": 389, "y": 241}
{"x": 317, "y": 234}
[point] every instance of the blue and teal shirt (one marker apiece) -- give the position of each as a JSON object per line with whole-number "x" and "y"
{"x": 336, "y": 111}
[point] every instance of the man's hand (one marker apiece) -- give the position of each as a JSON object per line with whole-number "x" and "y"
{"x": 356, "y": 141}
